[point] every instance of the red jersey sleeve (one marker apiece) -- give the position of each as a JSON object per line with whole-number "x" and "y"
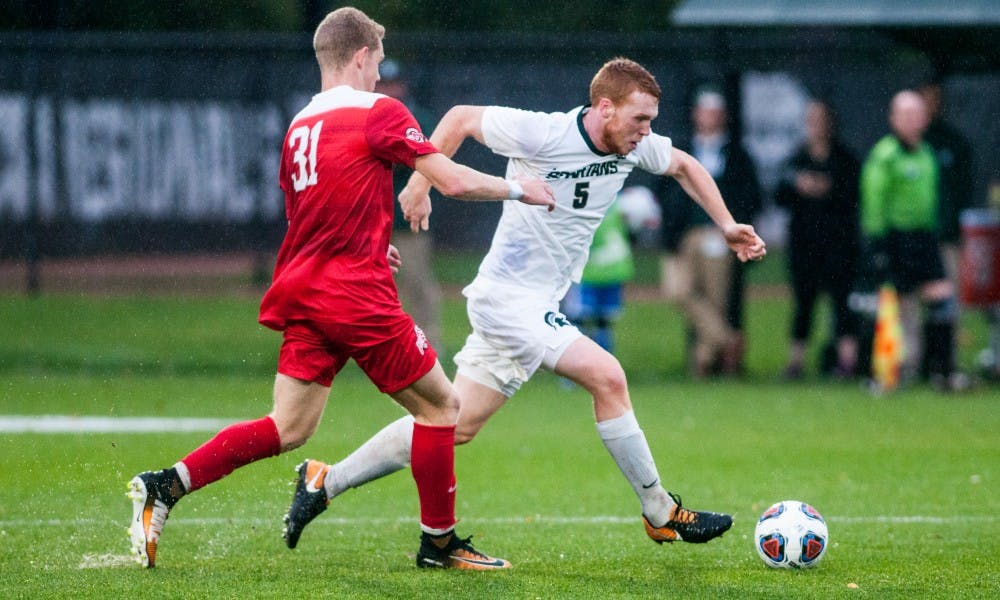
{"x": 393, "y": 133}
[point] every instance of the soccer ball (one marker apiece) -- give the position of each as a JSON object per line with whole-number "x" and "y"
{"x": 791, "y": 535}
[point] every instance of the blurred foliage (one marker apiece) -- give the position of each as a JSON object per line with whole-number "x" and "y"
{"x": 521, "y": 15}
{"x": 294, "y": 15}
{"x": 153, "y": 15}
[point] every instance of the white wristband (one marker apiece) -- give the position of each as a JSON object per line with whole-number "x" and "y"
{"x": 514, "y": 190}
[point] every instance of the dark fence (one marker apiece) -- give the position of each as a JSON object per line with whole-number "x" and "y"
{"x": 114, "y": 142}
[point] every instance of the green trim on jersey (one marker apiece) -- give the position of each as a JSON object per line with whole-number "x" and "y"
{"x": 585, "y": 135}
{"x": 540, "y": 251}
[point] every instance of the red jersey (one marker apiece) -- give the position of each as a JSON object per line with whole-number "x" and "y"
{"x": 336, "y": 172}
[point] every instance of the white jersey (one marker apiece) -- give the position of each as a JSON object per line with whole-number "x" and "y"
{"x": 545, "y": 251}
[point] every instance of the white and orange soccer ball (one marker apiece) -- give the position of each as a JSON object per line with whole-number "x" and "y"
{"x": 791, "y": 535}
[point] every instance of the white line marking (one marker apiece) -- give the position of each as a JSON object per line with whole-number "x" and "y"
{"x": 918, "y": 519}
{"x": 80, "y": 424}
{"x": 540, "y": 519}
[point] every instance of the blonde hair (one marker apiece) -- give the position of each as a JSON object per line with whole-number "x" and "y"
{"x": 342, "y": 33}
{"x": 618, "y": 78}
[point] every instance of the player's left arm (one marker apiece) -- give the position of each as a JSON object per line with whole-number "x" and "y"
{"x": 700, "y": 186}
{"x": 459, "y": 181}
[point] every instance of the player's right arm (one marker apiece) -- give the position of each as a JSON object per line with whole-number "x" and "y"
{"x": 459, "y": 181}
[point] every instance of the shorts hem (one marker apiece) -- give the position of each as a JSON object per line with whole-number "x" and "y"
{"x": 551, "y": 357}
{"x": 482, "y": 376}
{"x": 305, "y": 376}
{"x": 411, "y": 380}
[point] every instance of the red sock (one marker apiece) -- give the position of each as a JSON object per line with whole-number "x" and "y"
{"x": 432, "y": 462}
{"x": 234, "y": 446}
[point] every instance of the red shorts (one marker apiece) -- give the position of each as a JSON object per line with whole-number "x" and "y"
{"x": 391, "y": 350}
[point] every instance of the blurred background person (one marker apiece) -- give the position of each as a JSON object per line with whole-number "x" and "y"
{"x": 418, "y": 286}
{"x": 642, "y": 214}
{"x": 954, "y": 158}
{"x": 899, "y": 217}
{"x": 988, "y": 358}
{"x": 820, "y": 191}
{"x": 596, "y": 302}
{"x": 697, "y": 272}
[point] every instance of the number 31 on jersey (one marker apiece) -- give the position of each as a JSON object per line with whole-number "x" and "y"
{"x": 303, "y": 141}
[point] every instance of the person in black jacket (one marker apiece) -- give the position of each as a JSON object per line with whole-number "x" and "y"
{"x": 955, "y": 161}
{"x": 820, "y": 191}
{"x": 954, "y": 156}
{"x": 697, "y": 272}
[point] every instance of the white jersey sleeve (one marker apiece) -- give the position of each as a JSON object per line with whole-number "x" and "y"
{"x": 513, "y": 132}
{"x": 539, "y": 251}
{"x": 654, "y": 153}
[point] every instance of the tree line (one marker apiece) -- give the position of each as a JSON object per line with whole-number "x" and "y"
{"x": 303, "y": 15}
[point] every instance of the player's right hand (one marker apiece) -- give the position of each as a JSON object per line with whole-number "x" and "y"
{"x": 415, "y": 201}
{"x": 537, "y": 193}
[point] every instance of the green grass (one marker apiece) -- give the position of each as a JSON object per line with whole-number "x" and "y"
{"x": 908, "y": 483}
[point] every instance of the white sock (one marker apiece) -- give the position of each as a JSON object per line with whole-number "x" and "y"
{"x": 625, "y": 441}
{"x": 384, "y": 453}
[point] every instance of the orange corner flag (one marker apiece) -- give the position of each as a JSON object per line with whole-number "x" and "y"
{"x": 887, "y": 351}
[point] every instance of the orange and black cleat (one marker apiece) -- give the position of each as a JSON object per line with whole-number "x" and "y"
{"x": 456, "y": 554}
{"x": 688, "y": 525}
{"x": 309, "y": 499}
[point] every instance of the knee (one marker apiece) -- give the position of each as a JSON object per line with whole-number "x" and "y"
{"x": 611, "y": 395}
{"x": 609, "y": 381}
{"x": 442, "y": 412}
{"x": 294, "y": 433}
{"x": 615, "y": 381}
{"x": 447, "y": 410}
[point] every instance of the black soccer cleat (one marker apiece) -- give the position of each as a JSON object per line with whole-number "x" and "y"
{"x": 457, "y": 554}
{"x": 689, "y": 525}
{"x": 309, "y": 500}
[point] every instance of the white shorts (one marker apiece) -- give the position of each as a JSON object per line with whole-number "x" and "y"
{"x": 514, "y": 332}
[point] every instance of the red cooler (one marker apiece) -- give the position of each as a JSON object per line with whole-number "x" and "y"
{"x": 979, "y": 271}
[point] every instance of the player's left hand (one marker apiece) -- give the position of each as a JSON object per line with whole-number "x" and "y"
{"x": 416, "y": 205}
{"x": 395, "y": 260}
{"x": 745, "y": 242}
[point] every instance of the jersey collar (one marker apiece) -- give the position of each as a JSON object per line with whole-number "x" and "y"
{"x": 583, "y": 131}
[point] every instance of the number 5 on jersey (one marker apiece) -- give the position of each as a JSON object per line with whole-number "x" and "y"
{"x": 580, "y": 194}
{"x": 301, "y": 140}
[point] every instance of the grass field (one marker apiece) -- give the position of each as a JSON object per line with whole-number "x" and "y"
{"x": 908, "y": 483}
